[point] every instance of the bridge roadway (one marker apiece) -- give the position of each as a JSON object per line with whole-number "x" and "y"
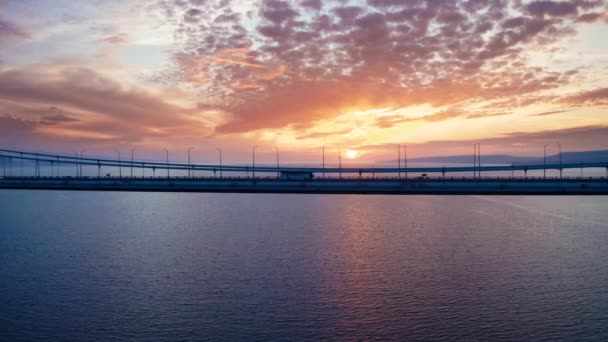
{"x": 412, "y": 186}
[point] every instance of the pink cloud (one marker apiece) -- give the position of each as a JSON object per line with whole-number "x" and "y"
{"x": 390, "y": 53}
{"x": 82, "y": 102}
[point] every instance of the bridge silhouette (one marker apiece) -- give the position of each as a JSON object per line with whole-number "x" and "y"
{"x": 389, "y": 180}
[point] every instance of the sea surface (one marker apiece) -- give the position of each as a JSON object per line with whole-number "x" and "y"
{"x": 86, "y": 266}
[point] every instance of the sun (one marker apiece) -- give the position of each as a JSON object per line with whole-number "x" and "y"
{"x": 352, "y": 154}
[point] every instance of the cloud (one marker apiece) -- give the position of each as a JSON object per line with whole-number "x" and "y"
{"x": 117, "y": 39}
{"x": 9, "y": 30}
{"x": 593, "y": 97}
{"x": 317, "y": 135}
{"x": 553, "y": 112}
{"x": 573, "y": 138}
{"x": 80, "y": 102}
{"x": 55, "y": 117}
{"x": 579, "y": 138}
{"x": 552, "y": 8}
{"x": 14, "y": 130}
{"x": 449, "y": 113}
{"x": 335, "y": 57}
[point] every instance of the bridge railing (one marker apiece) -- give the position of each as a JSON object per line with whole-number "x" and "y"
{"x": 10, "y": 159}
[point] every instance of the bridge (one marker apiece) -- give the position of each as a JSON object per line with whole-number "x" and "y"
{"x": 50, "y": 172}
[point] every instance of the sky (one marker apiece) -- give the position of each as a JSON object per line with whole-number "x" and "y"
{"x": 359, "y": 76}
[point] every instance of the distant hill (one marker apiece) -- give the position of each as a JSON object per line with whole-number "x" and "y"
{"x": 567, "y": 157}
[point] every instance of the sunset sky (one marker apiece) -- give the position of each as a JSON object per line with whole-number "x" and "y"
{"x": 365, "y": 75}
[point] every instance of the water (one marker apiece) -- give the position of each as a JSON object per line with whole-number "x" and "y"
{"x": 80, "y": 266}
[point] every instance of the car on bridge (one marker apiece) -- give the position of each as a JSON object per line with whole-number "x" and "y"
{"x": 296, "y": 175}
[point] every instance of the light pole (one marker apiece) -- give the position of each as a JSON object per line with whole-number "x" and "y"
{"x": 323, "y": 161}
{"x": 76, "y": 158}
{"x": 189, "y": 164}
{"x": 560, "y": 161}
{"x": 80, "y": 164}
{"x": 405, "y": 159}
{"x": 167, "y": 153}
{"x": 132, "y": 151}
{"x": 479, "y": 158}
{"x": 399, "y": 159}
{"x": 253, "y": 169}
{"x": 474, "y": 160}
{"x": 119, "y": 164}
{"x": 220, "y": 151}
{"x": 545, "y": 163}
{"x": 340, "y": 161}
{"x": 278, "y": 164}
{"x": 36, "y": 173}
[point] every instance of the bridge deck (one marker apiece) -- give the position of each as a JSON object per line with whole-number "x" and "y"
{"x": 456, "y": 186}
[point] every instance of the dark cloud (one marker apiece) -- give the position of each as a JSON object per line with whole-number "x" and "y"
{"x": 572, "y": 139}
{"x": 289, "y": 62}
{"x": 117, "y": 39}
{"x": 312, "y": 4}
{"x": 9, "y": 30}
{"x": 443, "y": 115}
{"x": 193, "y": 15}
{"x": 553, "y": 112}
{"x": 593, "y": 97}
{"x": 14, "y": 130}
{"x": 552, "y": 8}
{"x": 576, "y": 137}
{"x": 317, "y": 135}
{"x": 56, "y": 116}
{"x": 591, "y": 17}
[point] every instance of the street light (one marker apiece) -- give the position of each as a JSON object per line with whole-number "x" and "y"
{"x": 405, "y": 158}
{"x": 220, "y": 151}
{"x": 278, "y": 165}
{"x": 76, "y": 158}
{"x": 36, "y": 169}
{"x": 479, "y": 158}
{"x": 253, "y": 169}
{"x": 560, "y": 161}
{"x": 167, "y": 152}
{"x": 545, "y": 163}
{"x": 132, "y": 151}
{"x": 189, "y": 165}
{"x": 340, "y": 160}
{"x": 80, "y": 164}
{"x": 474, "y": 160}
{"x": 323, "y": 161}
{"x": 119, "y": 164}
{"x": 399, "y": 159}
